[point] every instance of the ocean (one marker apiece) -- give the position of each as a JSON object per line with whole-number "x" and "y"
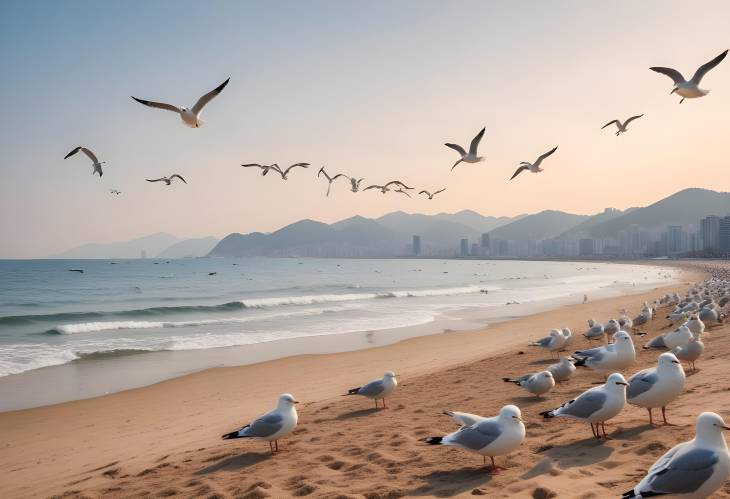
{"x": 52, "y": 316}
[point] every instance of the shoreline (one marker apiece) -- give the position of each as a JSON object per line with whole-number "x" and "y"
{"x": 54, "y": 448}
{"x": 107, "y": 373}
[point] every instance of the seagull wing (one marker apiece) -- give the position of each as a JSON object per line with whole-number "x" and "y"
{"x": 90, "y": 154}
{"x": 155, "y": 179}
{"x": 338, "y": 176}
{"x": 520, "y": 170}
{"x": 425, "y": 192}
{"x": 74, "y": 151}
{"x": 177, "y": 176}
{"x": 321, "y": 171}
{"x": 675, "y": 75}
{"x": 439, "y": 191}
{"x": 303, "y": 165}
{"x": 632, "y": 119}
{"x": 158, "y": 105}
{"x": 208, "y": 97}
{"x": 475, "y": 142}
{"x": 702, "y": 70}
{"x": 373, "y": 187}
{"x": 610, "y": 123}
{"x": 249, "y": 165}
{"x": 457, "y": 148}
{"x": 398, "y": 182}
{"x": 539, "y": 160}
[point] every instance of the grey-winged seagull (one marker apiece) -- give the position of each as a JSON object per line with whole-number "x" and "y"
{"x": 622, "y": 127}
{"x": 273, "y": 425}
{"x": 96, "y": 164}
{"x": 329, "y": 179}
{"x": 190, "y": 117}
{"x": 562, "y": 370}
{"x": 265, "y": 169}
{"x": 284, "y": 173}
{"x": 378, "y": 389}
{"x": 166, "y": 180}
{"x": 616, "y": 356}
{"x": 657, "y": 386}
{"x": 534, "y": 167}
{"x": 471, "y": 156}
{"x": 537, "y": 384}
{"x": 431, "y": 194}
{"x": 690, "y": 89}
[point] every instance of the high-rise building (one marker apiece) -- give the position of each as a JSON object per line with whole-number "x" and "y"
{"x": 676, "y": 239}
{"x": 475, "y": 251}
{"x": 485, "y": 241}
{"x": 725, "y": 234}
{"x": 586, "y": 247}
{"x": 416, "y": 245}
{"x": 710, "y": 233}
{"x": 464, "y": 248}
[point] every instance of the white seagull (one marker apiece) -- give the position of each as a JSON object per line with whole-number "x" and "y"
{"x": 537, "y": 384}
{"x": 94, "y": 160}
{"x": 533, "y": 167}
{"x": 378, "y": 389}
{"x": 495, "y": 436}
{"x": 431, "y": 195}
{"x": 690, "y": 470}
{"x": 329, "y": 179}
{"x": 471, "y": 156}
{"x": 385, "y": 188}
{"x": 657, "y": 386}
{"x": 190, "y": 117}
{"x": 595, "y": 406}
{"x": 553, "y": 343}
{"x": 284, "y": 173}
{"x": 613, "y": 357}
{"x": 166, "y": 180}
{"x": 562, "y": 370}
{"x": 690, "y": 352}
{"x": 273, "y": 425}
{"x": 264, "y": 168}
{"x": 355, "y": 183}
{"x": 595, "y": 331}
{"x": 690, "y": 89}
{"x": 622, "y": 126}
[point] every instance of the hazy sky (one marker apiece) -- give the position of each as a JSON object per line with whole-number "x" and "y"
{"x": 372, "y": 89}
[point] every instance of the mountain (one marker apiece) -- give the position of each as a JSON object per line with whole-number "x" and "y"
{"x": 433, "y": 230}
{"x": 586, "y": 226}
{"x": 544, "y": 225}
{"x": 476, "y": 220}
{"x": 151, "y": 245}
{"x": 685, "y": 208}
{"x": 189, "y": 248}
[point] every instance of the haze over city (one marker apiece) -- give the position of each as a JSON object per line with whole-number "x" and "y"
{"x": 371, "y": 90}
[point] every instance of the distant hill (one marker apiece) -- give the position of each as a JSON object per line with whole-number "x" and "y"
{"x": 585, "y": 227}
{"x": 432, "y": 229}
{"x": 152, "y": 245}
{"x": 685, "y": 207}
{"x": 544, "y": 225}
{"x": 189, "y": 248}
{"x": 477, "y": 221}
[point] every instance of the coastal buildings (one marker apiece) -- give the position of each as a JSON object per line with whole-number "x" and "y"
{"x": 710, "y": 233}
{"x": 416, "y": 246}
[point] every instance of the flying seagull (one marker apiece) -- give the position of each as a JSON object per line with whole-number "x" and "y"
{"x": 329, "y": 179}
{"x": 431, "y": 195}
{"x": 355, "y": 183}
{"x": 471, "y": 156}
{"x": 114, "y": 191}
{"x": 166, "y": 180}
{"x": 690, "y": 89}
{"x": 534, "y": 167}
{"x": 401, "y": 191}
{"x": 264, "y": 168}
{"x": 284, "y": 173}
{"x": 271, "y": 426}
{"x": 385, "y": 188}
{"x": 190, "y": 117}
{"x": 622, "y": 126}
{"x": 96, "y": 163}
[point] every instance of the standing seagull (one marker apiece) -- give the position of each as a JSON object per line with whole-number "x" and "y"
{"x": 284, "y": 173}
{"x": 166, "y": 180}
{"x": 553, "y": 343}
{"x": 431, "y": 195}
{"x": 537, "y": 384}
{"x": 534, "y": 167}
{"x": 273, "y": 425}
{"x": 690, "y": 89}
{"x": 471, "y": 156}
{"x": 491, "y": 437}
{"x": 595, "y": 406}
{"x": 692, "y": 470}
{"x": 378, "y": 389}
{"x": 656, "y": 387}
{"x": 264, "y": 168}
{"x": 622, "y": 126}
{"x": 618, "y": 355}
{"x": 190, "y": 117}
{"x": 329, "y": 179}
{"x": 92, "y": 157}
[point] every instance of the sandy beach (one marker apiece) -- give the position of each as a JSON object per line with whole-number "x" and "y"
{"x": 164, "y": 440}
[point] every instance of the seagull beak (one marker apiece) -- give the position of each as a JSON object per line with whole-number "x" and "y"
{"x": 622, "y": 383}
{"x": 295, "y": 401}
{"x": 726, "y": 427}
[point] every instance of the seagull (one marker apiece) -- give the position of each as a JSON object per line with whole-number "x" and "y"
{"x": 533, "y": 167}
{"x": 430, "y": 195}
{"x": 595, "y": 331}
{"x": 166, "y": 180}
{"x": 401, "y": 191}
{"x": 553, "y": 343}
{"x": 690, "y": 352}
{"x": 568, "y": 336}
{"x": 491, "y": 437}
{"x": 114, "y": 191}
{"x": 618, "y": 355}
{"x": 537, "y": 384}
{"x": 622, "y": 126}
{"x": 96, "y": 164}
{"x": 273, "y": 425}
{"x": 595, "y": 406}
{"x": 355, "y": 183}
{"x": 658, "y": 386}
{"x": 464, "y": 418}
{"x": 471, "y": 156}
{"x": 264, "y": 168}
{"x": 695, "y": 325}
{"x": 329, "y": 179}
{"x": 690, "y": 89}
{"x": 284, "y": 173}
{"x": 562, "y": 370}
{"x": 378, "y": 389}
{"x": 385, "y": 188}
{"x": 190, "y": 117}
{"x": 611, "y": 327}
{"x": 694, "y": 469}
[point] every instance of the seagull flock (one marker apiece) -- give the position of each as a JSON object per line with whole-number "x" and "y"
{"x": 693, "y": 469}
{"x": 687, "y": 89}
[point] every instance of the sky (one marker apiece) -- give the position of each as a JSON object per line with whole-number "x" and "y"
{"x": 370, "y": 89}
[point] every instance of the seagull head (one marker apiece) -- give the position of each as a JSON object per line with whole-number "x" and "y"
{"x": 668, "y": 360}
{"x": 390, "y": 374}
{"x": 616, "y": 380}
{"x": 710, "y": 426}
{"x": 287, "y": 400}
{"x": 510, "y": 413}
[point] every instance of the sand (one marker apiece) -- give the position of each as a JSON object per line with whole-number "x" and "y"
{"x": 164, "y": 440}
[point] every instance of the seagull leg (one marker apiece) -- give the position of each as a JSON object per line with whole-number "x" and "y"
{"x": 593, "y": 430}
{"x": 384, "y": 406}
{"x": 603, "y": 426}
{"x": 271, "y": 447}
{"x": 651, "y": 420}
{"x": 376, "y": 403}
{"x": 664, "y": 415}
{"x": 681, "y": 100}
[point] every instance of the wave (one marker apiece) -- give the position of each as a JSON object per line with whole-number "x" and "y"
{"x": 268, "y": 302}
